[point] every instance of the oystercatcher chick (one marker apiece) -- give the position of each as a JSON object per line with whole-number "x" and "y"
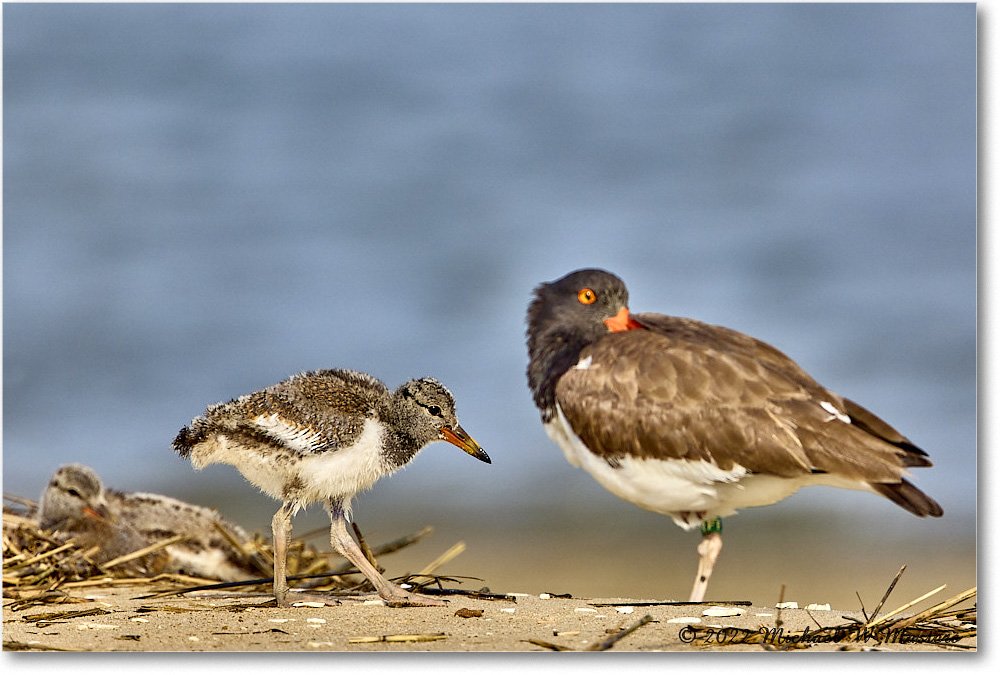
{"x": 76, "y": 504}
{"x": 695, "y": 421}
{"x": 324, "y": 436}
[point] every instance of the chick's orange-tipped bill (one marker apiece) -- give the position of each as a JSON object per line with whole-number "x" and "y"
{"x": 457, "y": 436}
{"x": 622, "y": 321}
{"x": 99, "y": 512}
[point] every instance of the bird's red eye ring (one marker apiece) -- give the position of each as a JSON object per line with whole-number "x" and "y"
{"x": 586, "y": 296}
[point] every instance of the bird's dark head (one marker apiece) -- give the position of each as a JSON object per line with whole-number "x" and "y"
{"x": 430, "y": 408}
{"x": 565, "y": 316}
{"x": 579, "y": 303}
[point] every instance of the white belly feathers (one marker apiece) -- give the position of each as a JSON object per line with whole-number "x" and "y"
{"x": 678, "y": 488}
{"x": 344, "y": 471}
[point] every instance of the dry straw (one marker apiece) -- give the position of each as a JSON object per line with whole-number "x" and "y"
{"x": 941, "y": 625}
{"x": 41, "y": 567}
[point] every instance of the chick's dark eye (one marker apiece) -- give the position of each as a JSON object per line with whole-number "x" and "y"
{"x": 74, "y": 492}
{"x": 434, "y": 410}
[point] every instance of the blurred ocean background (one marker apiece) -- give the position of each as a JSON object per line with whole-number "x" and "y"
{"x": 200, "y": 200}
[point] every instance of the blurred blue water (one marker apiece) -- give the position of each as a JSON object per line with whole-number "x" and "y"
{"x": 200, "y": 200}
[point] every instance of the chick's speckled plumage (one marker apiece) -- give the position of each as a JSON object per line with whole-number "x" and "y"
{"x": 301, "y": 439}
{"x": 323, "y": 436}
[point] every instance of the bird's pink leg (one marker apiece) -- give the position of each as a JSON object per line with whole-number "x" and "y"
{"x": 708, "y": 552}
{"x": 344, "y": 544}
{"x": 281, "y": 528}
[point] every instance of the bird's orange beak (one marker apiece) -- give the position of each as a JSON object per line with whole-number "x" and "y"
{"x": 100, "y": 512}
{"x": 622, "y": 321}
{"x": 457, "y": 436}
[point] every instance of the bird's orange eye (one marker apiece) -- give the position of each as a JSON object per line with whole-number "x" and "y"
{"x": 586, "y": 296}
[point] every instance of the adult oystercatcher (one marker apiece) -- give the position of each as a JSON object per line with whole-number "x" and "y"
{"x": 693, "y": 420}
{"x": 325, "y": 436}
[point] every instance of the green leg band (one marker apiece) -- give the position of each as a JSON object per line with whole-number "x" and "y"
{"x": 710, "y": 526}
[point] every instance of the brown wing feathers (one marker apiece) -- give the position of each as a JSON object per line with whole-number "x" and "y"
{"x": 687, "y": 390}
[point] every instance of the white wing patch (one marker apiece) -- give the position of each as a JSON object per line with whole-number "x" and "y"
{"x": 300, "y": 439}
{"x": 837, "y": 415}
{"x": 584, "y": 364}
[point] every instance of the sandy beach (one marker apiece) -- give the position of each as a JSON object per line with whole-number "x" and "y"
{"x": 540, "y": 594}
{"x": 117, "y": 618}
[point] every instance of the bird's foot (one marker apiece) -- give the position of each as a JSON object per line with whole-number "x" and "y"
{"x": 397, "y": 597}
{"x": 292, "y": 599}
